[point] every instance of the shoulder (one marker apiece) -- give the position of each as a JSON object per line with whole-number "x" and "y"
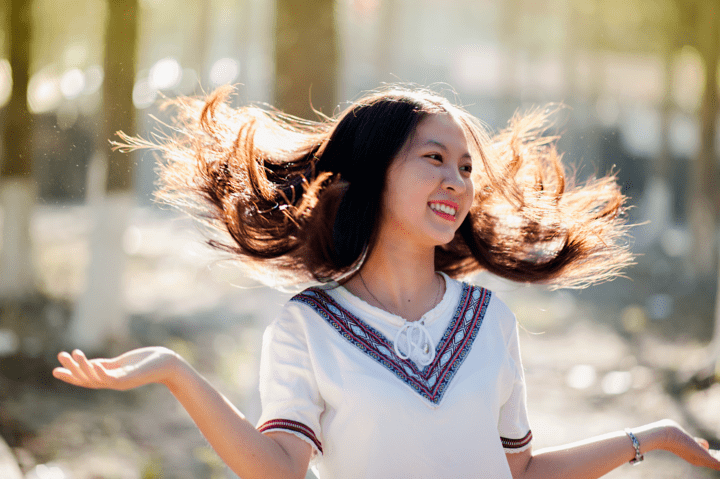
{"x": 497, "y": 312}
{"x": 301, "y": 311}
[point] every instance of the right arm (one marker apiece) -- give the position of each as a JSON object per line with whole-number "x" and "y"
{"x": 595, "y": 457}
{"x": 248, "y": 453}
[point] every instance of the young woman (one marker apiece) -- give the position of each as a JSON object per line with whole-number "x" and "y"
{"x": 392, "y": 368}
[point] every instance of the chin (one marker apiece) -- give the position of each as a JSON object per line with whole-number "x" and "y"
{"x": 443, "y": 239}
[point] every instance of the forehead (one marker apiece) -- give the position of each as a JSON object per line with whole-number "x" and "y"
{"x": 439, "y": 130}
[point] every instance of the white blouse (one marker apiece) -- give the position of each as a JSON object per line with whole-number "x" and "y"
{"x": 330, "y": 375}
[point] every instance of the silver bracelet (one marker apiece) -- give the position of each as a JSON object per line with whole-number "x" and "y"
{"x": 636, "y": 444}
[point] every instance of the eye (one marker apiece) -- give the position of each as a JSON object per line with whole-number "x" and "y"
{"x": 466, "y": 168}
{"x": 435, "y": 156}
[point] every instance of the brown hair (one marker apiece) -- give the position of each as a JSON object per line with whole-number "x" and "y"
{"x": 300, "y": 200}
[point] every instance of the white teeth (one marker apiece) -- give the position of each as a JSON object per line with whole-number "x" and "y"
{"x": 443, "y": 208}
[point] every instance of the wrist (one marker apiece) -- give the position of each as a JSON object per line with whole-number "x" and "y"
{"x": 656, "y": 435}
{"x": 175, "y": 372}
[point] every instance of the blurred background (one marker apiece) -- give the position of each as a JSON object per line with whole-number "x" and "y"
{"x": 87, "y": 259}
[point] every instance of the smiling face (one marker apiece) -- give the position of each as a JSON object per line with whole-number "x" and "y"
{"x": 428, "y": 191}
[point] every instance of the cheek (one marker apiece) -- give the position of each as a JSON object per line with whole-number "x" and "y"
{"x": 405, "y": 184}
{"x": 471, "y": 192}
{"x": 469, "y": 198}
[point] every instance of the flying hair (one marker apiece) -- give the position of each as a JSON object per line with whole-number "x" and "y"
{"x": 298, "y": 201}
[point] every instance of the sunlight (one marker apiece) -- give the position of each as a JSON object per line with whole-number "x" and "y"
{"x": 44, "y": 93}
{"x": 72, "y": 83}
{"x": 94, "y": 76}
{"x": 5, "y": 82}
{"x": 143, "y": 94}
{"x": 223, "y": 71}
{"x": 165, "y": 74}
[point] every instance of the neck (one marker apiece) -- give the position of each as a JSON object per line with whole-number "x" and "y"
{"x": 400, "y": 280}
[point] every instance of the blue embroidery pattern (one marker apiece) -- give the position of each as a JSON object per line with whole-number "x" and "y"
{"x": 432, "y": 381}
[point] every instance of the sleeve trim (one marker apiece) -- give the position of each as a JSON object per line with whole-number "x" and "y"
{"x": 516, "y": 445}
{"x": 294, "y": 427}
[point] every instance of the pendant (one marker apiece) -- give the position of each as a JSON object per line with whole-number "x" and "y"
{"x": 413, "y": 341}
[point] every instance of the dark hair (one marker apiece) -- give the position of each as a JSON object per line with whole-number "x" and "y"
{"x": 360, "y": 149}
{"x": 301, "y": 200}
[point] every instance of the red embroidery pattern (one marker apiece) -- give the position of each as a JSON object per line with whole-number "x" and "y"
{"x": 430, "y": 382}
{"x": 516, "y": 443}
{"x": 294, "y": 426}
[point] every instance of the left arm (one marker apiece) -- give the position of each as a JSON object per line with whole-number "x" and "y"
{"x": 595, "y": 457}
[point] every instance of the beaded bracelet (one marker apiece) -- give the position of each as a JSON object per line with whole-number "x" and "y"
{"x": 636, "y": 444}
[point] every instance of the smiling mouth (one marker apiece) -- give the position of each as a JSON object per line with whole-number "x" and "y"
{"x": 444, "y": 210}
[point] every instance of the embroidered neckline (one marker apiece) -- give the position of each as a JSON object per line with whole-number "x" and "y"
{"x": 429, "y": 382}
{"x": 391, "y": 318}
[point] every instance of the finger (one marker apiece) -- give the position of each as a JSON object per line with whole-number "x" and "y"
{"x": 63, "y": 357}
{"x": 67, "y": 376}
{"x": 71, "y": 366}
{"x": 702, "y": 442}
{"x": 112, "y": 378}
{"x": 85, "y": 365}
{"x": 708, "y": 458}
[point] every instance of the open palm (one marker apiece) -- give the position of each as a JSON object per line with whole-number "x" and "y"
{"x": 129, "y": 370}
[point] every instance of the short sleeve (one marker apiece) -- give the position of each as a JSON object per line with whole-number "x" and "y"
{"x": 514, "y": 426}
{"x": 288, "y": 389}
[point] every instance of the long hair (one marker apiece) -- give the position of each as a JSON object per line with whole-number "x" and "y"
{"x": 299, "y": 200}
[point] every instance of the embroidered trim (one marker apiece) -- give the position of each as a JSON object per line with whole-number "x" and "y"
{"x": 431, "y": 381}
{"x": 293, "y": 426}
{"x": 516, "y": 443}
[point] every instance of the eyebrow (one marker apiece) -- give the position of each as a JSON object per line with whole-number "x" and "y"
{"x": 442, "y": 146}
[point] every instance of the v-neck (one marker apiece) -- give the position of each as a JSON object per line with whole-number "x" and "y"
{"x": 430, "y": 382}
{"x": 363, "y": 308}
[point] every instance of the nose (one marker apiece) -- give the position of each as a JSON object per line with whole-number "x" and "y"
{"x": 454, "y": 181}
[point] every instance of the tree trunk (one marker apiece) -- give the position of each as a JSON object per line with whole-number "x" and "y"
{"x": 656, "y": 204}
{"x": 389, "y": 41}
{"x": 703, "y": 196}
{"x": 100, "y": 314}
{"x": 17, "y": 188}
{"x": 508, "y": 36}
{"x": 305, "y": 57}
{"x": 120, "y": 50}
{"x": 259, "y": 66}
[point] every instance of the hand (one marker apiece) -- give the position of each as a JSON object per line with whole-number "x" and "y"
{"x": 694, "y": 450}
{"x": 130, "y": 370}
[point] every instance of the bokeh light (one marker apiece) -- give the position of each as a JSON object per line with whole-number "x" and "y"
{"x": 617, "y": 382}
{"x": 165, "y": 74}
{"x": 75, "y": 55}
{"x": 144, "y": 94}
{"x": 688, "y": 79}
{"x": 72, "y": 83}
{"x": 44, "y": 93}
{"x": 94, "y": 76}
{"x": 9, "y": 342}
{"x": 5, "y": 82}
{"x": 223, "y": 71}
{"x": 581, "y": 376}
{"x": 189, "y": 82}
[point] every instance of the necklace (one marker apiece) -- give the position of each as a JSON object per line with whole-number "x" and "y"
{"x": 362, "y": 280}
{"x": 412, "y": 340}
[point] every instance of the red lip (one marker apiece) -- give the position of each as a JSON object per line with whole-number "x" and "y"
{"x": 446, "y": 203}
{"x": 442, "y": 214}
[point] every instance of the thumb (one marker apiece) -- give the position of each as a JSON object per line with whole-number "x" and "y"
{"x": 702, "y": 442}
